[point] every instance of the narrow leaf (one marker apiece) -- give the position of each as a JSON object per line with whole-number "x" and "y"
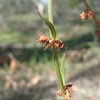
{"x": 62, "y": 70}
{"x": 51, "y": 26}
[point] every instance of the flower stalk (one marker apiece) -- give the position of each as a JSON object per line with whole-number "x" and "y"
{"x": 65, "y": 89}
{"x": 58, "y": 71}
{"x": 94, "y": 17}
{"x": 50, "y": 15}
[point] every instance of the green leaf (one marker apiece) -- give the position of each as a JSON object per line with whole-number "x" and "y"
{"x": 62, "y": 70}
{"x": 51, "y": 26}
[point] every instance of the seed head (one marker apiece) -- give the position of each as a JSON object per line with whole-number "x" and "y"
{"x": 86, "y": 14}
{"x": 68, "y": 91}
{"x": 48, "y": 42}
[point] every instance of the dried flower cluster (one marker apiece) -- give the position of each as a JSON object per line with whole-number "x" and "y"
{"x": 86, "y": 14}
{"x": 97, "y": 34}
{"x": 48, "y": 42}
{"x": 68, "y": 91}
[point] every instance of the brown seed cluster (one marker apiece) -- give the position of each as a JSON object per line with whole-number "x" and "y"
{"x": 86, "y": 14}
{"x": 48, "y": 42}
{"x": 68, "y": 91}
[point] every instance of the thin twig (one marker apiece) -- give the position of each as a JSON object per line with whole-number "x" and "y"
{"x": 94, "y": 17}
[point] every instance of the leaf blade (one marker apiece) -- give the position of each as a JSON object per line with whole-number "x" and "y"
{"x": 62, "y": 70}
{"x": 50, "y": 25}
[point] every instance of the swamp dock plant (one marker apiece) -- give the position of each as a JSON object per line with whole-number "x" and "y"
{"x": 65, "y": 90}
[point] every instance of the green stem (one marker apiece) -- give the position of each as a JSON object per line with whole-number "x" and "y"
{"x": 50, "y": 14}
{"x": 50, "y": 11}
{"x": 58, "y": 71}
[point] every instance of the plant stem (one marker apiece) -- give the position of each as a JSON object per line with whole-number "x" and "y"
{"x": 50, "y": 14}
{"x": 50, "y": 11}
{"x": 58, "y": 71}
{"x": 95, "y": 19}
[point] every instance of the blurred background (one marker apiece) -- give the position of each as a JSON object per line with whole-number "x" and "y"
{"x": 26, "y": 71}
